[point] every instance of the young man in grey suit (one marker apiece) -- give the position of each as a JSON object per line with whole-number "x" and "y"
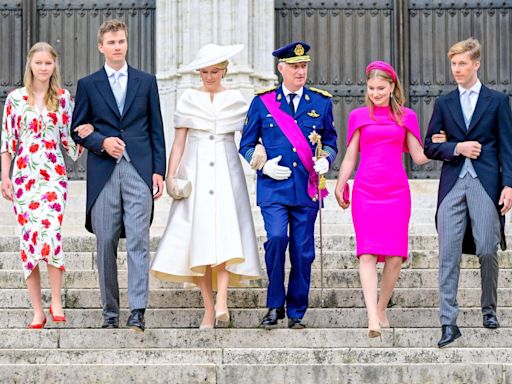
{"x": 125, "y": 164}
{"x": 475, "y": 186}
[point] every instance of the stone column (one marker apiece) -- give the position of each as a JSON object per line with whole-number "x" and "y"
{"x": 183, "y": 27}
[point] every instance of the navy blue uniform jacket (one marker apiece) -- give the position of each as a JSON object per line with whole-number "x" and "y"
{"x": 314, "y": 113}
{"x": 140, "y": 127}
{"x": 491, "y": 126}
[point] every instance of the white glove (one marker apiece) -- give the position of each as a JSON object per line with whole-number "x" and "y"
{"x": 275, "y": 171}
{"x": 321, "y": 165}
{"x": 259, "y": 157}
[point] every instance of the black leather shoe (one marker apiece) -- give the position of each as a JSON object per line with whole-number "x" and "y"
{"x": 491, "y": 321}
{"x": 136, "y": 320}
{"x": 110, "y": 323}
{"x": 449, "y": 335}
{"x": 272, "y": 316}
{"x": 295, "y": 324}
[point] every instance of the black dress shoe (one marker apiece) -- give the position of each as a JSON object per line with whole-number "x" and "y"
{"x": 136, "y": 320}
{"x": 295, "y": 324}
{"x": 491, "y": 321}
{"x": 110, "y": 323}
{"x": 272, "y": 316}
{"x": 449, "y": 335}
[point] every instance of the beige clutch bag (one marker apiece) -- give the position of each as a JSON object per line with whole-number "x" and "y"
{"x": 178, "y": 188}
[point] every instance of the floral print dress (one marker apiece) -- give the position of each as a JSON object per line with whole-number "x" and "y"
{"x": 39, "y": 175}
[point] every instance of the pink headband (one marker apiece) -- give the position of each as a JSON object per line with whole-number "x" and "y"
{"x": 381, "y": 66}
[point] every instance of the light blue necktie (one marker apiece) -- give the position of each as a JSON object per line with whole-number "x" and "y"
{"x": 467, "y": 111}
{"x": 467, "y": 108}
{"x": 119, "y": 93}
{"x": 120, "y": 96}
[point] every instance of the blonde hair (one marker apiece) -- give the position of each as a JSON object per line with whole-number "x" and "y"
{"x": 471, "y": 46}
{"x": 113, "y": 25}
{"x": 397, "y": 99}
{"x": 51, "y": 98}
{"x": 223, "y": 65}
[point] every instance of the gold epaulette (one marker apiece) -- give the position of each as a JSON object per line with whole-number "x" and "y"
{"x": 264, "y": 90}
{"x": 320, "y": 91}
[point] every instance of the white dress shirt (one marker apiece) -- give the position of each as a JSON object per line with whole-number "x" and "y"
{"x": 121, "y": 75}
{"x": 296, "y": 99}
{"x": 473, "y": 96}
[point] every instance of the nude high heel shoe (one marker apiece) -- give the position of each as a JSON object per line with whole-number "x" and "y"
{"x": 221, "y": 316}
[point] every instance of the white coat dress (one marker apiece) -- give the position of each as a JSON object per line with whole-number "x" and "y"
{"x": 214, "y": 224}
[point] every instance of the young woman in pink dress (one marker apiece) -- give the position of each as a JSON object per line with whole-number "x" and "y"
{"x": 381, "y": 199}
{"x": 36, "y": 120}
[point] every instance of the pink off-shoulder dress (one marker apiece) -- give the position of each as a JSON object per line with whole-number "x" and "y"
{"x": 381, "y": 199}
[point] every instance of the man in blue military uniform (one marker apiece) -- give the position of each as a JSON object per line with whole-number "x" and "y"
{"x": 282, "y": 119}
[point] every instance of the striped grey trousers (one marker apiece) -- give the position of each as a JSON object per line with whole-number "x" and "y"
{"x": 125, "y": 198}
{"x": 467, "y": 201}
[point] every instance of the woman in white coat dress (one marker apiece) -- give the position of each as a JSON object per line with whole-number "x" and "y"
{"x": 210, "y": 239}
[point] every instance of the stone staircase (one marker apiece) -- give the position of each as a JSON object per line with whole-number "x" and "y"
{"x": 333, "y": 349}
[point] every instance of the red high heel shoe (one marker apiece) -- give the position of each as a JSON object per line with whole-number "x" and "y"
{"x": 57, "y": 319}
{"x": 37, "y": 326}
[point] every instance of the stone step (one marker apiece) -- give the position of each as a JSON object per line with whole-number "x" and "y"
{"x": 367, "y": 355}
{"x": 331, "y": 242}
{"x": 424, "y": 259}
{"x": 255, "y": 356}
{"x": 250, "y": 318}
{"x": 67, "y": 372}
{"x": 495, "y": 373}
{"x": 332, "y": 278}
{"x": 255, "y": 298}
{"x": 144, "y": 356}
{"x": 409, "y": 340}
{"x": 374, "y": 373}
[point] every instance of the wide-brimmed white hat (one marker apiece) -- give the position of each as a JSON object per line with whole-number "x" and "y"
{"x": 212, "y": 54}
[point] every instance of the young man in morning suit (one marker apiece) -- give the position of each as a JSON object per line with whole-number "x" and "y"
{"x": 282, "y": 119}
{"x": 125, "y": 164}
{"x": 475, "y": 186}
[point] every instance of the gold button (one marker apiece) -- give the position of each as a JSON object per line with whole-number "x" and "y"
{"x": 295, "y": 120}
{"x": 294, "y": 164}
{"x": 314, "y": 126}
{"x": 294, "y": 149}
{"x": 271, "y": 125}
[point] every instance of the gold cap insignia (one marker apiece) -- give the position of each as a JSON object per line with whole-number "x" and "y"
{"x": 299, "y": 50}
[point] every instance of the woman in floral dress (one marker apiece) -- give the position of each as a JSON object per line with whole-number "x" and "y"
{"x": 36, "y": 120}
